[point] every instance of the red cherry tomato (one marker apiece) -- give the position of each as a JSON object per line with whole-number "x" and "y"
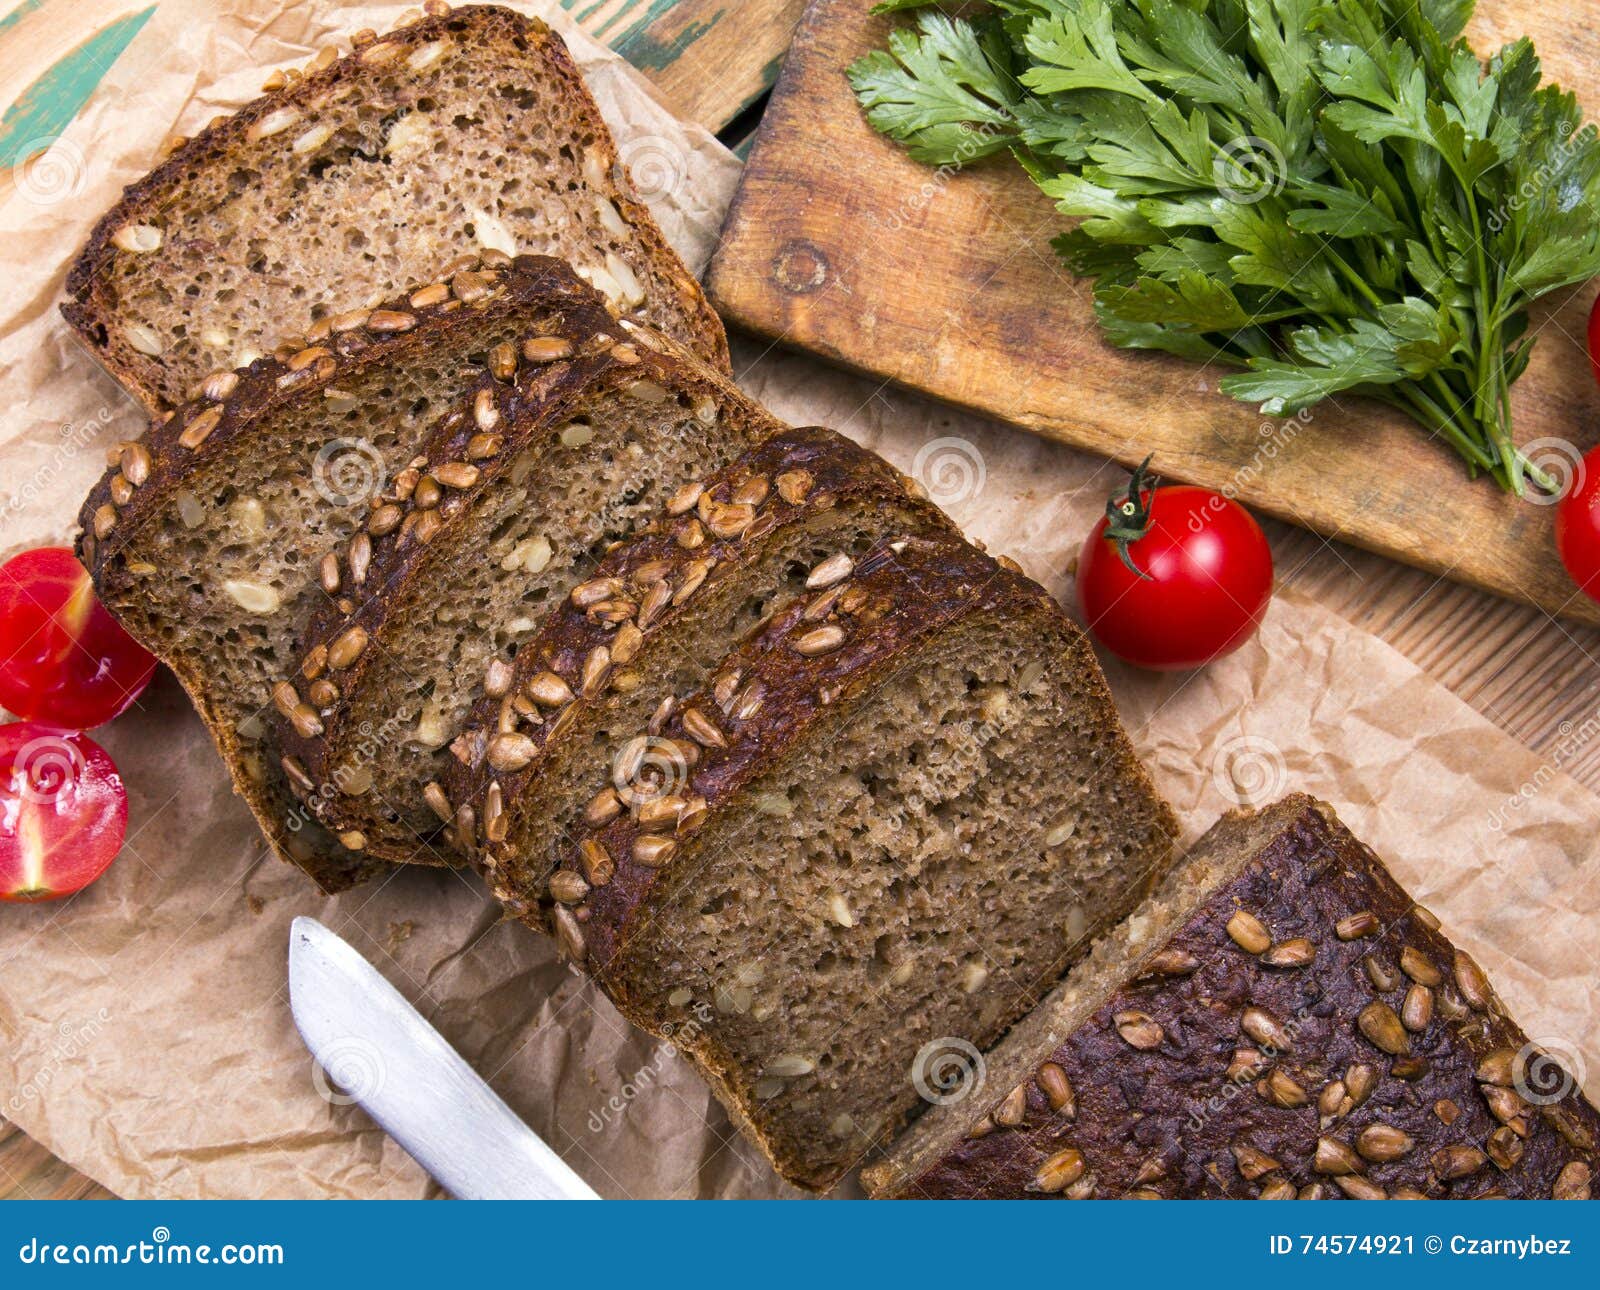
{"x": 1578, "y": 525}
{"x": 63, "y": 658}
{"x": 63, "y": 812}
{"x": 1208, "y": 576}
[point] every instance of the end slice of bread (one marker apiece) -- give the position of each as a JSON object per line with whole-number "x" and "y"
{"x": 1279, "y": 1020}
{"x": 465, "y": 132}
{"x": 213, "y": 538}
{"x": 890, "y": 822}
{"x": 552, "y": 461}
{"x": 661, "y": 609}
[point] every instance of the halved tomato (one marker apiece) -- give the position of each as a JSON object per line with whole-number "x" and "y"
{"x": 63, "y": 812}
{"x": 63, "y": 658}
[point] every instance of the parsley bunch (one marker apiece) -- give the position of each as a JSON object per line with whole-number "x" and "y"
{"x": 1328, "y": 195}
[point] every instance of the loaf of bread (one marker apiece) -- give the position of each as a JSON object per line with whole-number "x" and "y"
{"x": 1280, "y": 1020}
{"x": 652, "y": 619}
{"x": 214, "y": 538}
{"x": 568, "y": 444}
{"x": 892, "y": 817}
{"x": 464, "y": 132}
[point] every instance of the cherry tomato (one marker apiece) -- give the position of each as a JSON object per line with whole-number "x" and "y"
{"x": 63, "y": 812}
{"x": 1204, "y": 576}
{"x": 63, "y": 658}
{"x": 1578, "y": 525}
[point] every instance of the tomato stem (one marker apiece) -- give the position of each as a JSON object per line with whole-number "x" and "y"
{"x": 1128, "y": 515}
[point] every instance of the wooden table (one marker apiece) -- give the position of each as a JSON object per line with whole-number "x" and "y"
{"x": 713, "y": 62}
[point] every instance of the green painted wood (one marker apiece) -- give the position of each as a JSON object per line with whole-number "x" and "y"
{"x": 47, "y": 106}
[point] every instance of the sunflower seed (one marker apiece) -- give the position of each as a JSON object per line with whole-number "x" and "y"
{"x": 1358, "y": 1188}
{"x": 789, "y": 1066}
{"x": 1248, "y": 932}
{"x": 1265, "y": 1029}
{"x": 121, "y": 490}
{"x": 1360, "y": 1078}
{"x": 1504, "y": 1148}
{"x": 702, "y": 729}
{"x": 384, "y": 520}
{"x": 324, "y": 694}
{"x": 1419, "y": 967}
{"x": 1252, "y": 1163}
{"x": 1380, "y": 973}
{"x": 546, "y": 349}
{"x": 1277, "y": 1189}
{"x": 1447, "y": 1111}
{"x": 1499, "y": 1067}
{"x": 730, "y": 521}
{"x": 306, "y": 723}
{"x": 653, "y": 851}
{"x": 1573, "y": 1182}
{"x": 1245, "y": 1064}
{"x": 593, "y": 592}
{"x": 690, "y": 534}
{"x": 1417, "y": 1009}
{"x": 456, "y": 474}
{"x": 433, "y": 794}
{"x": 219, "y": 385}
{"x": 1330, "y": 1102}
{"x": 748, "y": 702}
{"x": 793, "y": 485}
{"x": 1356, "y": 926}
{"x": 819, "y": 640}
{"x": 836, "y": 568}
{"x": 549, "y": 691}
{"x": 1283, "y": 1091}
{"x": 347, "y": 648}
{"x": 596, "y": 671}
{"x": 297, "y": 774}
{"x": 359, "y": 558}
{"x": 1457, "y": 1161}
{"x": 598, "y": 866}
{"x": 1381, "y": 1143}
{"x": 752, "y": 492}
{"x": 1059, "y": 1171}
{"x": 1504, "y": 1103}
{"x": 1012, "y": 1109}
{"x": 199, "y": 430}
{"x": 1378, "y": 1022}
{"x": 569, "y": 934}
{"x": 1170, "y": 962}
{"x": 694, "y": 576}
{"x": 511, "y": 752}
{"x": 1296, "y": 952}
{"x": 385, "y": 321}
{"x": 1139, "y": 1030}
{"x": 1335, "y": 1157}
{"x": 1472, "y": 983}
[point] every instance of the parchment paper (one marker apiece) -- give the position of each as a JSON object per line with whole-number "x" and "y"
{"x": 144, "y": 1030}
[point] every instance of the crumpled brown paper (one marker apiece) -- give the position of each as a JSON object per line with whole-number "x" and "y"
{"x": 145, "y": 1024}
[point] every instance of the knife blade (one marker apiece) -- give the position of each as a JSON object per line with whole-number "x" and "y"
{"x": 373, "y": 1043}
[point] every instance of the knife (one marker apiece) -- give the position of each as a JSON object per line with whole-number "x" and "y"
{"x": 417, "y": 1087}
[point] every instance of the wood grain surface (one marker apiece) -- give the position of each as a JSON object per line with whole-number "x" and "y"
{"x": 943, "y": 281}
{"x": 1536, "y": 678}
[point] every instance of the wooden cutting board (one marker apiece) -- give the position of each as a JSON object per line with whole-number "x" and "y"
{"x": 945, "y": 282}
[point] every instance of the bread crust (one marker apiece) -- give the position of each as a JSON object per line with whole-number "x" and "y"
{"x": 527, "y": 409}
{"x": 897, "y": 598}
{"x": 91, "y": 306}
{"x": 794, "y": 473}
{"x": 1166, "y": 1119}
{"x": 162, "y": 462}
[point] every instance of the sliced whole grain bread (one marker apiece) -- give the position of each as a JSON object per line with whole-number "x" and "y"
{"x": 889, "y": 822}
{"x": 208, "y": 537}
{"x": 564, "y": 450}
{"x": 799, "y": 508}
{"x": 464, "y": 132}
{"x": 1279, "y": 1020}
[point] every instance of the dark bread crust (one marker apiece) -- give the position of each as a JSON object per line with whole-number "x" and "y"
{"x": 901, "y": 596}
{"x": 797, "y": 473}
{"x": 92, "y": 308}
{"x": 529, "y": 408}
{"x": 1168, "y": 1120}
{"x": 530, "y": 287}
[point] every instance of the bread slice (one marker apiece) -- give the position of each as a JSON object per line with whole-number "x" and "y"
{"x": 554, "y": 462}
{"x": 207, "y": 538}
{"x": 1280, "y": 1020}
{"x": 464, "y": 132}
{"x": 889, "y": 822}
{"x": 725, "y": 550}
